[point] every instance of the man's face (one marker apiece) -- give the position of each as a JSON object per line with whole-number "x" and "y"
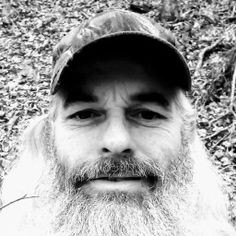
{"x": 118, "y": 155}
{"x": 119, "y": 114}
{"x": 116, "y": 160}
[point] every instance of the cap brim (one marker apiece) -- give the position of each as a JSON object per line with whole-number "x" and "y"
{"x": 162, "y": 55}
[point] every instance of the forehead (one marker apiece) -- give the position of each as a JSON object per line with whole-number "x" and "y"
{"x": 117, "y": 73}
{"x": 111, "y": 74}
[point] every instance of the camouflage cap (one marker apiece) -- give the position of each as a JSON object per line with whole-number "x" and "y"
{"x": 126, "y": 31}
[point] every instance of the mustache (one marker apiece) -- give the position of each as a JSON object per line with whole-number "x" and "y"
{"x": 115, "y": 166}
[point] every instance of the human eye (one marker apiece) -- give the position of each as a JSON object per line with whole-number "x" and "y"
{"x": 86, "y": 115}
{"x": 145, "y": 116}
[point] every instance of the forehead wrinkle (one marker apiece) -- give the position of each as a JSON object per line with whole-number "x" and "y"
{"x": 127, "y": 98}
{"x": 114, "y": 91}
{"x": 115, "y": 80}
{"x": 119, "y": 90}
{"x": 122, "y": 91}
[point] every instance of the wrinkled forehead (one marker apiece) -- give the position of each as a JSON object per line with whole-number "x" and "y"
{"x": 112, "y": 72}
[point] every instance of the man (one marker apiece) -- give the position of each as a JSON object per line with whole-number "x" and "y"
{"x": 118, "y": 153}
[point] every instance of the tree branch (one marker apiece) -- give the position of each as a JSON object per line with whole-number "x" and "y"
{"x": 203, "y": 54}
{"x": 17, "y": 200}
{"x": 233, "y": 89}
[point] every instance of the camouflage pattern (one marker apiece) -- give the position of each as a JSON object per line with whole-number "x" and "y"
{"x": 112, "y": 24}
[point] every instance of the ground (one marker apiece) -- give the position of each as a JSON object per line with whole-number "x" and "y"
{"x": 206, "y": 30}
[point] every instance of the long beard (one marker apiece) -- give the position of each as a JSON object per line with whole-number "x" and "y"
{"x": 163, "y": 210}
{"x": 185, "y": 200}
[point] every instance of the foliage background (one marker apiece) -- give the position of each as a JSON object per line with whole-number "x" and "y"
{"x": 206, "y": 30}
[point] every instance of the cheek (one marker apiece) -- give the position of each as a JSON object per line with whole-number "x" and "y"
{"x": 161, "y": 144}
{"x": 73, "y": 146}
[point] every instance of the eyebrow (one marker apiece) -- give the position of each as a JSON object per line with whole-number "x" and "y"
{"x": 150, "y": 97}
{"x": 147, "y": 97}
{"x": 79, "y": 96}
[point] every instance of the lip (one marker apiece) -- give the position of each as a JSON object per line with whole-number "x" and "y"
{"x": 120, "y": 182}
{"x": 118, "y": 178}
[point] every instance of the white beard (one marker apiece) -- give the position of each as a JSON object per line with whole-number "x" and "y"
{"x": 169, "y": 210}
{"x": 159, "y": 213}
{"x": 188, "y": 202}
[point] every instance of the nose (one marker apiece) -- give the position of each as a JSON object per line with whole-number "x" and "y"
{"x": 117, "y": 138}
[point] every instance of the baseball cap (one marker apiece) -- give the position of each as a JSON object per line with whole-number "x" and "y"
{"x": 121, "y": 32}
